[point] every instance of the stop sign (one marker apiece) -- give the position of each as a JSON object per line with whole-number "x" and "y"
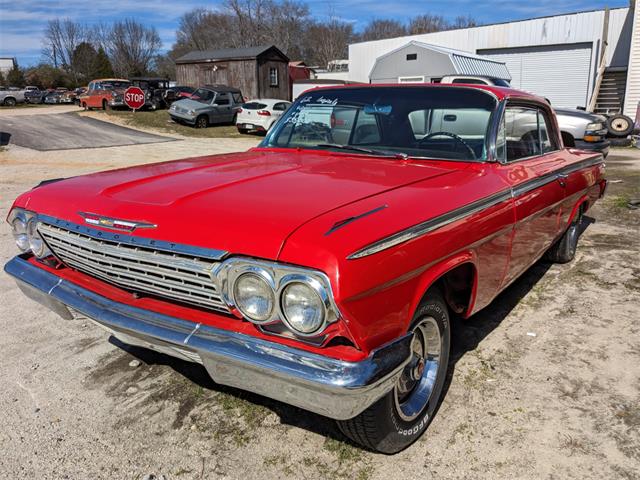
{"x": 134, "y": 98}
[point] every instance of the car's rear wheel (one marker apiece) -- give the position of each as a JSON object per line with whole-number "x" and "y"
{"x": 564, "y": 250}
{"x": 399, "y": 418}
{"x": 234, "y": 119}
{"x": 202, "y": 121}
{"x": 243, "y": 131}
{"x": 10, "y": 102}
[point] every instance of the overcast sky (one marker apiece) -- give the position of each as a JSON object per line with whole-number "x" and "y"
{"x": 22, "y": 22}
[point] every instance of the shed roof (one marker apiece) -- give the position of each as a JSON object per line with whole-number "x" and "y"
{"x": 464, "y": 63}
{"x": 228, "y": 54}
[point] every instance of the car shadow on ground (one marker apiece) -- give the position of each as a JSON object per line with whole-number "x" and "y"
{"x": 466, "y": 336}
{"x": 5, "y": 137}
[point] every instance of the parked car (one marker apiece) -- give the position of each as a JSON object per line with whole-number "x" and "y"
{"x": 322, "y": 268}
{"x": 9, "y": 96}
{"x": 578, "y": 128}
{"x": 260, "y": 115}
{"x": 156, "y": 90}
{"x": 208, "y": 105}
{"x": 182, "y": 91}
{"x": 104, "y": 93}
{"x": 34, "y": 96}
{"x": 52, "y": 97}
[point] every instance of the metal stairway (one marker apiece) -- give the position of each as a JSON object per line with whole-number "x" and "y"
{"x": 611, "y": 94}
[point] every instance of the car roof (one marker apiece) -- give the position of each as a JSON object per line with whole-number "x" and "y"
{"x": 267, "y": 100}
{"x": 221, "y": 88}
{"x": 110, "y": 80}
{"x": 500, "y": 92}
{"x": 150, "y": 79}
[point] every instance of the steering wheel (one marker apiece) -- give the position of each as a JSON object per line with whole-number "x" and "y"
{"x": 452, "y": 135}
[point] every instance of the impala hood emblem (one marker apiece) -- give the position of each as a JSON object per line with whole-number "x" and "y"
{"x": 115, "y": 223}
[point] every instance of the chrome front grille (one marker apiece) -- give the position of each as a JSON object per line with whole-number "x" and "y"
{"x": 168, "y": 275}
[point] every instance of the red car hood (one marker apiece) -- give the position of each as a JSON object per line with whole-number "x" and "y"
{"x": 246, "y": 203}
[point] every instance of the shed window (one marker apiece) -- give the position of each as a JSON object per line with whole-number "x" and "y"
{"x": 412, "y": 56}
{"x": 273, "y": 77}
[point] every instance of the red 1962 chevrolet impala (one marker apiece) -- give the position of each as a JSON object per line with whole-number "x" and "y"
{"x": 322, "y": 268}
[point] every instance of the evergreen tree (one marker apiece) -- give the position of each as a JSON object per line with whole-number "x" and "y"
{"x": 83, "y": 62}
{"x": 15, "y": 77}
{"x": 102, "y": 66}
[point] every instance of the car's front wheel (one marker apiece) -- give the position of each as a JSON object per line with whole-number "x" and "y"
{"x": 399, "y": 418}
{"x": 202, "y": 121}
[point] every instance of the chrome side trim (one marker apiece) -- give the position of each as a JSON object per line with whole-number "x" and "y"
{"x": 471, "y": 208}
{"x": 431, "y": 225}
{"x": 171, "y": 247}
{"x": 561, "y": 173}
{"x": 343, "y": 223}
{"x": 335, "y": 388}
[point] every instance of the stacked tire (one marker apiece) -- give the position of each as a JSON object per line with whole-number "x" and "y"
{"x": 620, "y": 128}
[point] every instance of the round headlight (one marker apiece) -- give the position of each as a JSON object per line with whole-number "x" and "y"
{"x": 254, "y": 297}
{"x": 36, "y": 243}
{"x": 19, "y": 227}
{"x": 303, "y": 308}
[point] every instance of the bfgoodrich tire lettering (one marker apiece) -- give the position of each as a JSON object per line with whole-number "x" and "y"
{"x": 384, "y": 426}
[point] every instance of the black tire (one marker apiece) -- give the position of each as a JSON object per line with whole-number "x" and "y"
{"x": 243, "y": 131}
{"x": 564, "y": 250}
{"x": 620, "y": 125}
{"x": 385, "y": 426}
{"x": 620, "y": 142}
{"x": 9, "y": 102}
{"x": 567, "y": 140}
{"x": 234, "y": 119}
{"x": 202, "y": 122}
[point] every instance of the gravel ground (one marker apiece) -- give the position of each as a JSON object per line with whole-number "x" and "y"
{"x": 545, "y": 384}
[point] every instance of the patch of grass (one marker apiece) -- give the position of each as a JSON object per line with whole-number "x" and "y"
{"x": 343, "y": 451}
{"x": 182, "y": 471}
{"x": 620, "y": 201}
{"x": 252, "y": 414}
{"x": 160, "y": 121}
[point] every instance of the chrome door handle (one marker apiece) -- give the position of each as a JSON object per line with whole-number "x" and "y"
{"x": 561, "y": 177}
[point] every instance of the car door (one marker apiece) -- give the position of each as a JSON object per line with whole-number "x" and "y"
{"x": 529, "y": 148}
{"x": 224, "y": 113}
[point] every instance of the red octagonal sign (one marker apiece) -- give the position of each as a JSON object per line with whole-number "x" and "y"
{"x": 134, "y": 98}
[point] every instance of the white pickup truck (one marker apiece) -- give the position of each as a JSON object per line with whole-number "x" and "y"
{"x": 9, "y": 97}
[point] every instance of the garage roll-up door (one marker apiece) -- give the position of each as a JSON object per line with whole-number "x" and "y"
{"x": 560, "y": 73}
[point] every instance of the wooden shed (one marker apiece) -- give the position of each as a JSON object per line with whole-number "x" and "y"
{"x": 260, "y": 72}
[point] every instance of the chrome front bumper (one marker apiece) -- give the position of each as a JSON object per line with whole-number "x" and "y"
{"x": 334, "y": 388}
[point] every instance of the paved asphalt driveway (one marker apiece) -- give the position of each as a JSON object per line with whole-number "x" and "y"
{"x": 63, "y": 131}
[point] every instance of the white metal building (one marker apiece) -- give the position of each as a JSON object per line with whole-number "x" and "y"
{"x": 6, "y": 65}
{"x": 423, "y": 62}
{"x": 557, "y": 57}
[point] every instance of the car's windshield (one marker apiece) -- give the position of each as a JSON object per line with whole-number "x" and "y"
{"x": 438, "y": 122}
{"x": 203, "y": 95}
{"x": 115, "y": 84}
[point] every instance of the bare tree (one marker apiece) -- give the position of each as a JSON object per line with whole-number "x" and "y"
{"x": 328, "y": 41}
{"x": 61, "y": 38}
{"x": 427, "y": 24}
{"x": 464, "y": 21}
{"x": 381, "y": 28}
{"x": 131, "y": 46}
{"x": 288, "y": 22}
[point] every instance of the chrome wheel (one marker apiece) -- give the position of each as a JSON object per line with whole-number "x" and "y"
{"x": 418, "y": 379}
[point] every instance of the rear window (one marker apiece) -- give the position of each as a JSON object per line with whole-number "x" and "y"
{"x": 254, "y": 106}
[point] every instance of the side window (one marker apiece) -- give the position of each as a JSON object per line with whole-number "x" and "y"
{"x": 273, "y": 77}
{"x": 524, "y": 133}
{"x": 223, "y": 99}
{"x": 521, "y": 133}
{"x": 546, "y": 138}
{"x": 280, "y": 107}
{"x": 237, "y": 98}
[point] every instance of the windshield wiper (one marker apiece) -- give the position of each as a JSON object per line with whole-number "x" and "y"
{"x": 368, "y": 151}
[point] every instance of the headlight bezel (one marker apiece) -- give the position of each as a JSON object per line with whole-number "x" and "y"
{"x": 30, "y": 220}
{"x": 264, "y": 276}
{"x": 279, "y": 277}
